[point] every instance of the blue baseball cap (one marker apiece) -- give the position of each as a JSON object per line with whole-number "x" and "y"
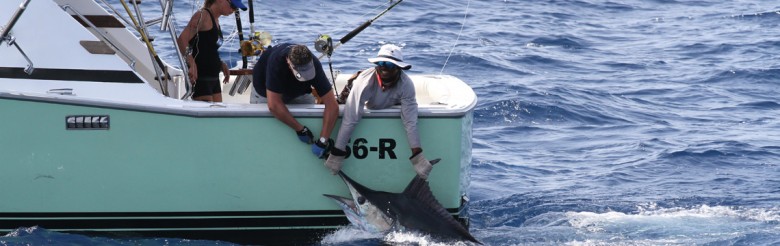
{"x": 238, "y": 4}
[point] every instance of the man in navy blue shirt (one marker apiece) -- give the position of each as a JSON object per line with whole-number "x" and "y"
{"x": 285, "y": 74}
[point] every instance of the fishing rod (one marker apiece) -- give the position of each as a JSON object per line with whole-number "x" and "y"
{"x": 160, "y": 69}
{"x": 251, "y": 18}
{"x": 257, "y": 41}
{"x": 253, "y": 46}
{"x": 324, "y": 43}
{"x": 240, "y": 38}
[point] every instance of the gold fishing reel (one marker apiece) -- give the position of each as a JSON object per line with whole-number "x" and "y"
{"x": 256, "y": 44}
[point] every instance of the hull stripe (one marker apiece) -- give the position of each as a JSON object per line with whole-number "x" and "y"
{"x": 112, "y": 76}
{"x": 176, "y": 220}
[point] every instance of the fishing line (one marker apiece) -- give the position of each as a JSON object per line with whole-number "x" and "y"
{"x": 468, "y": 4}
{"x": 232, "y": 36}
{"x": 195, "y": 5}
{"x": 229, "y": 45}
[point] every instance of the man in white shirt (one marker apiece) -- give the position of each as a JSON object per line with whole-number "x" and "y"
{"x": 379, "y": 87}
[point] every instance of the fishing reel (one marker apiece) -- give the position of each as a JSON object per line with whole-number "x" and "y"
{"x": 324, "y": 45}
{"x": 256, "y": 44}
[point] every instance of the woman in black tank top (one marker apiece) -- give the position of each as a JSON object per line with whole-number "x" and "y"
{"x": 204, "y": 36}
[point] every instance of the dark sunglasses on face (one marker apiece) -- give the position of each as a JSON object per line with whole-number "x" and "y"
{"x": 386, "y": 64}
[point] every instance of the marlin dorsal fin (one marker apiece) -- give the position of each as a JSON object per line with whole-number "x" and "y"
{"x": 418, "y": 189}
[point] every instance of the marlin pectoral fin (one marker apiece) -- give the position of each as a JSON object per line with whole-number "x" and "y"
{"x": 434, "y": 161}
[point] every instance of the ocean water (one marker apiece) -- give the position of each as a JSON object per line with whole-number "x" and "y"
{"x": 599, "y": 122}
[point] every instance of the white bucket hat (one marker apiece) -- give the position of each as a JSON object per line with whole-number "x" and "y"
{"x": 391, "y": 53}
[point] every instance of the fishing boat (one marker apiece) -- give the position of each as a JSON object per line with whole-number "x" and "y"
{"x": 99, "y": 136}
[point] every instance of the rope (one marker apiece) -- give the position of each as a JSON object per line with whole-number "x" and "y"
{"x": 458, "y": 39}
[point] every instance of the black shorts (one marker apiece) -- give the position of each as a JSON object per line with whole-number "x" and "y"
{"x": 207, "y": 86}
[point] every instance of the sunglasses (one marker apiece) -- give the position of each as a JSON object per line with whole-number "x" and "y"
{"x": 386, "y": 64}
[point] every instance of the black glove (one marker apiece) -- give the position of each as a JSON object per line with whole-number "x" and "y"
{"x": 336, "y": 151}
{"x": 305, "y": 135}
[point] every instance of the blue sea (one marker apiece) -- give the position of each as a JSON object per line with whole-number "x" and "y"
{"x": 599, "y": 122}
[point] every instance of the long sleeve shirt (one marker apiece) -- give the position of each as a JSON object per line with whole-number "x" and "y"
{"x": 367, "y": 91}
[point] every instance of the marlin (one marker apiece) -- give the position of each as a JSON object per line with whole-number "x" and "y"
{"x": 414, "y": 209}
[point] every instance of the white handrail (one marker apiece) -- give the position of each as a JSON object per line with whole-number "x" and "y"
{"x": 5, "y": 35}
{"x": 66, "y": 7}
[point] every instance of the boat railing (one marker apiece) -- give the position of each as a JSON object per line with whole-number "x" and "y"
{"x": 114, "y": 12}
{"x": 95, "y": 29}
{"x": 165, "y": 24}
{"x": 137, "y": 23}
{"x": 170, "y": 26}
{"x": 5, "y": 35}
{"x": 161, "y": 74}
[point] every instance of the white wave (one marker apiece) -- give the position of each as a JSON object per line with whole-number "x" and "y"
{"x": 348, "y": 234}
{"x": 675, "y": 225}
{"x": 750, "y": 214}
{"x": 651, "y": 214}
{"x": 624, "y": 243}
{"x": 406, "y": 238}
{"x": 351, "y": 234}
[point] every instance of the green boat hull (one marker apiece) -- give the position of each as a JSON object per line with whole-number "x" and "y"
{"x": 247, "y": 172}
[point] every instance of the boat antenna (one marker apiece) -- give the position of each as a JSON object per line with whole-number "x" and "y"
{"x": 457, "y": 39}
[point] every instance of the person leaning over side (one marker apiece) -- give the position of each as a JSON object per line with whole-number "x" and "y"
{"x": 381, "y": 87}
{"x": 204, "y": 37}
{"x": 285, "y": 74}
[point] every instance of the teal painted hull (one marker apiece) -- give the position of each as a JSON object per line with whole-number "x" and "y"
{"x": 153, "y": 164}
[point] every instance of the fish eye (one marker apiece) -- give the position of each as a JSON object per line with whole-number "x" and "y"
{"x": 361, "y": 200}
